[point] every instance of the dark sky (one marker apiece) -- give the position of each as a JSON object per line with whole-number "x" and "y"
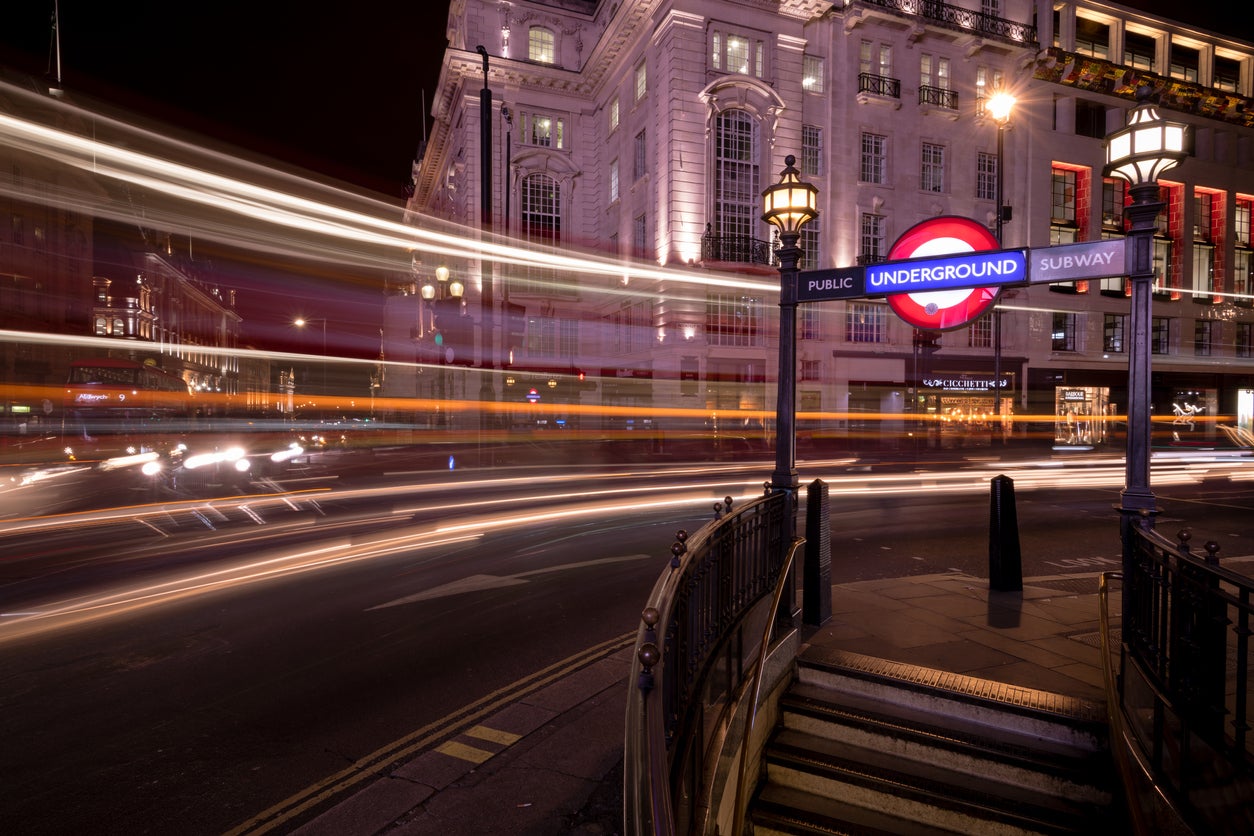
{"x": 336, "y": 88}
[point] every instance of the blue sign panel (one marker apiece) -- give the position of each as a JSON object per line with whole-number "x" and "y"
{"x": 922, "y": 275}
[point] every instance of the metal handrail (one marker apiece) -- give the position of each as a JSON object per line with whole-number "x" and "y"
{"x": 693, "y": 608}
{"x": 781, "y": 584}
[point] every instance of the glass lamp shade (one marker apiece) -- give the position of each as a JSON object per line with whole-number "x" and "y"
{"x": 1147, "y": 148}
{"x": 790, "y": 203}
{"x": 456, "y": 289}
{"x": 428, "y": 292}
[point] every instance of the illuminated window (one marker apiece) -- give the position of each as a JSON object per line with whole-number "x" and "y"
{"x": 1243, "y": 254}
{"x": 540, "y": 45}
{"x": 614, "y": 115}
{"x": 613, "y": 180}
{"x": 812, "y": 69}
{"x": 541, "y": 222}
{"x": 1138, "y": 51}
{"x": 736, "y": 53}
{"x": 1184, "y": 63}
{"x": 642, "y": 81}
{"x": 1092, "y": 38}
{"x": 1227, "y": 74}
{"x": 871, "y": 239}
{"x": 543, "y": 130}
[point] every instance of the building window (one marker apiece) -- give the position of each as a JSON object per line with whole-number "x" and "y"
{"x": 1113, "y": 332}
{"x": 733, "y": 53}
{"x": 812, "y": 67}
{"x": 551, "y": 336}
{"x": 736, "y": 191}
{"x": 871, "y": 239}
{"x": 1064, "y": 197}
{"x": 874, "y": 159}
{"x": 980, "y": 334}
{"x": 1184, "y": 61}
{"x": 733, "y": 320}
{"x": 1138, "y": 51}
{"x": 1243, "y": 254}
{"x": 1113, "y": 200}
{"x": 865, "y": 322}
{"x": 614, "y": 115}
{"x": 1090, "y": 119}
{"x": 639, "y": 236}
{"x": 1227, "y": 75}
{"x": 811, "y": 235}
{"x": 642, "y": 81}
{"x": 1092, "y": 38}
{"x": 810, "y": 323}
{"x": 1203, "y": 334}
{"x": 932, "y": 168}
{"x": 985, "y": 176}
{"x": 1062, "y": 333}
{"x": 1243, "y": 338}
{"x": 541, "y": 220}
{"x": 811, "y": 150}
{"x": 1160, "y": 335}
{"x": 613, "y": 180}
{"x": 811, "y": 369}
{"x": 542, "y": 130}
{"x": 639, "y": 157}
{"x": 540, "y": 45}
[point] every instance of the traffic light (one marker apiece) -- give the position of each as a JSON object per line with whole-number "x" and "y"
{"x": 455, "y": 337}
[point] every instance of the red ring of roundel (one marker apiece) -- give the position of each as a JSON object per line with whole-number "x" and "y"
{"x": 978, "y": 299}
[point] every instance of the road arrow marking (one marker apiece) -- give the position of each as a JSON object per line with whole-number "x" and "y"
{"x": 479, "y": 583}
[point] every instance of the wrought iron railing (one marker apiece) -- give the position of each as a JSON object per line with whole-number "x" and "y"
{"x": 695, "y": 624}
{"x": 939, "y": 96}
{"x": 1184, "y": 682}
{"x": 879, "y": 85}
{"x": 966, "y": 20}
{"x": 738, "y": 249}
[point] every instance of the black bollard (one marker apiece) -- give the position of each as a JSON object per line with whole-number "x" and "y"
{"x": 816, "y": 579}
{"x": 1005, "y": 562}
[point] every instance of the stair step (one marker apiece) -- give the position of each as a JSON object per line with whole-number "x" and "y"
{"x": 784, "y": 811}
{"x": 960, "y": 745}
{"x": 915, "y": 791}
{"x": 1033, "y": 714}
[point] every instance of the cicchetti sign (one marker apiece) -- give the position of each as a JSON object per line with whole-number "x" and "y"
{"x": 944, "y": 308}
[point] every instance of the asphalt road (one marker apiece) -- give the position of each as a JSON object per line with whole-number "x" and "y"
{"x": 206, "y": 666}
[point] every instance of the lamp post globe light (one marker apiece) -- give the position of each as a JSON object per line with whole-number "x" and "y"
{"x": 1139, "y": 153}
{"x": 999, "y": 106}
{"x": 788, "y": 206}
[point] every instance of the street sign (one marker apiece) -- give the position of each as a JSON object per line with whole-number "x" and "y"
{"x": 948, "y": 273}
{"x": 943, "y": 310}
{"x": 1070, "y": 262}
{"x": 840, "y": 283}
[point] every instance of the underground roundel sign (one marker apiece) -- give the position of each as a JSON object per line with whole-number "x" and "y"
{"x": 943, "y": 310}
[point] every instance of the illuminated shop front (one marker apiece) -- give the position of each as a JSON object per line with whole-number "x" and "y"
{"x": 965, "y": 406}
{"x": 1082, "y": 416}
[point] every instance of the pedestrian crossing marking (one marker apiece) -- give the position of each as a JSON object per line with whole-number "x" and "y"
{"x": 493, "y": 735}
{"x": 463, "y": 752}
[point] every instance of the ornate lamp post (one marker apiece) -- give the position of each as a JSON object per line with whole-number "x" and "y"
{"x": 444, "y": 294}
{"x": 1149, "y": 146}
{"x": 788, "y": 205}
{"x": 999, "y": 106}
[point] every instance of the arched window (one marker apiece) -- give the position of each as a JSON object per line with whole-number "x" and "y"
{"x": 541, "y": 199}
{"x": 540, "y": 45}
{"x": 737, "y": 194}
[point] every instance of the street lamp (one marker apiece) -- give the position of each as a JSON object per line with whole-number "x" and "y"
{"x": 1138, "y": 154}
{"x": 443, "y": 294}
{"x": 301, "y": 322}
{"x": 788, "y": 205}
{"x": 999, "y": 106}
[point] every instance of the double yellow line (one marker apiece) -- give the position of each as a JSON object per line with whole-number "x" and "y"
{"x": 451, "y": 725}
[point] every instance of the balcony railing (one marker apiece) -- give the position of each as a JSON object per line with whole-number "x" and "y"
{"x": 938, "y": 96}
{"x": 966, "y": 20}
{"x": 738, "y": 249}
{"x": 879, "y": 85}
